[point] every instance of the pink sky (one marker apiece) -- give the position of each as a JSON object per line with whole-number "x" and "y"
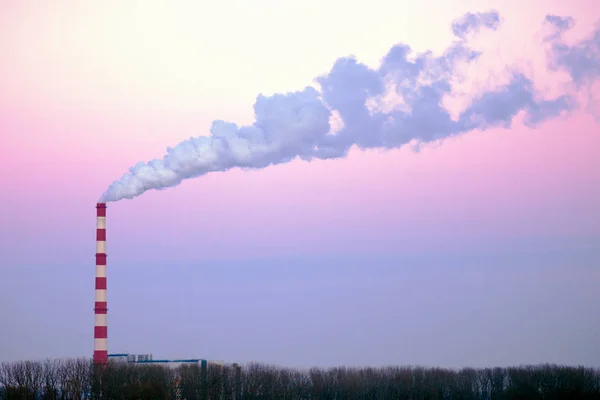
{"x": 77, "y": 119}
{"x": 87, "y": 91}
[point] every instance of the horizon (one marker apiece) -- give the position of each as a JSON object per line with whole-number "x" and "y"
{"x": 477, "y": 250}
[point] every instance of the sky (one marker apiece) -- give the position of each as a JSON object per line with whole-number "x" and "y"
{"x": 479, "y": 249}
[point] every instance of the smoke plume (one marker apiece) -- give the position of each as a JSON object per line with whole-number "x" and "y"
{"x": 580, "y": 60}
{"x": 297, "y": 124}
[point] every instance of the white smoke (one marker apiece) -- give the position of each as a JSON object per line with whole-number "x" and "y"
{"x": 297, "y": 124}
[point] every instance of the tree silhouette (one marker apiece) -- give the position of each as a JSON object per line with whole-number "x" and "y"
{"x": 79, "y": 379}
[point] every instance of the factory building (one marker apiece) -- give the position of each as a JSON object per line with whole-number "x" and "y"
{"x": 146, "y": 359}
{"x": 130, "y": 358}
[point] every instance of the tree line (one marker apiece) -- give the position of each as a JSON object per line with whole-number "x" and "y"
{"x": 78, "y": 379}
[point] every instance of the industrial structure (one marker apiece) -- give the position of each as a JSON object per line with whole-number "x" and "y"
{"x": 147, "y": 359}
{"x": 101, "y": 355}
{"x": 130, "y": 358}
{"x": 100, "y": 304}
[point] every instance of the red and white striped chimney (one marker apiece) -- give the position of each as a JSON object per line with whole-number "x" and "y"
{"x": 100, "y": 310}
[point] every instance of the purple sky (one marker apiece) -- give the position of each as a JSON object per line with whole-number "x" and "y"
{"x": 480, "y": 250}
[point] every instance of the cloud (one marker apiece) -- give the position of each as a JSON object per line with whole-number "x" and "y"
{"x": 296, "y": 125}
{"x": 558, "y": 25}
{"x": 473, "y": 22}
{"x": 582, "y": 59}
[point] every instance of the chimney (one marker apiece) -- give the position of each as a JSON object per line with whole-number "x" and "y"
{"x": 100, "y": 310}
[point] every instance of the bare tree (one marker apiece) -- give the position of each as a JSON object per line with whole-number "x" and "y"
{"x": 79, "y": 379}
{"x": 50, "y": 373}
{"x": 190, "y": 384}
{"x": 22, "y": 380}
